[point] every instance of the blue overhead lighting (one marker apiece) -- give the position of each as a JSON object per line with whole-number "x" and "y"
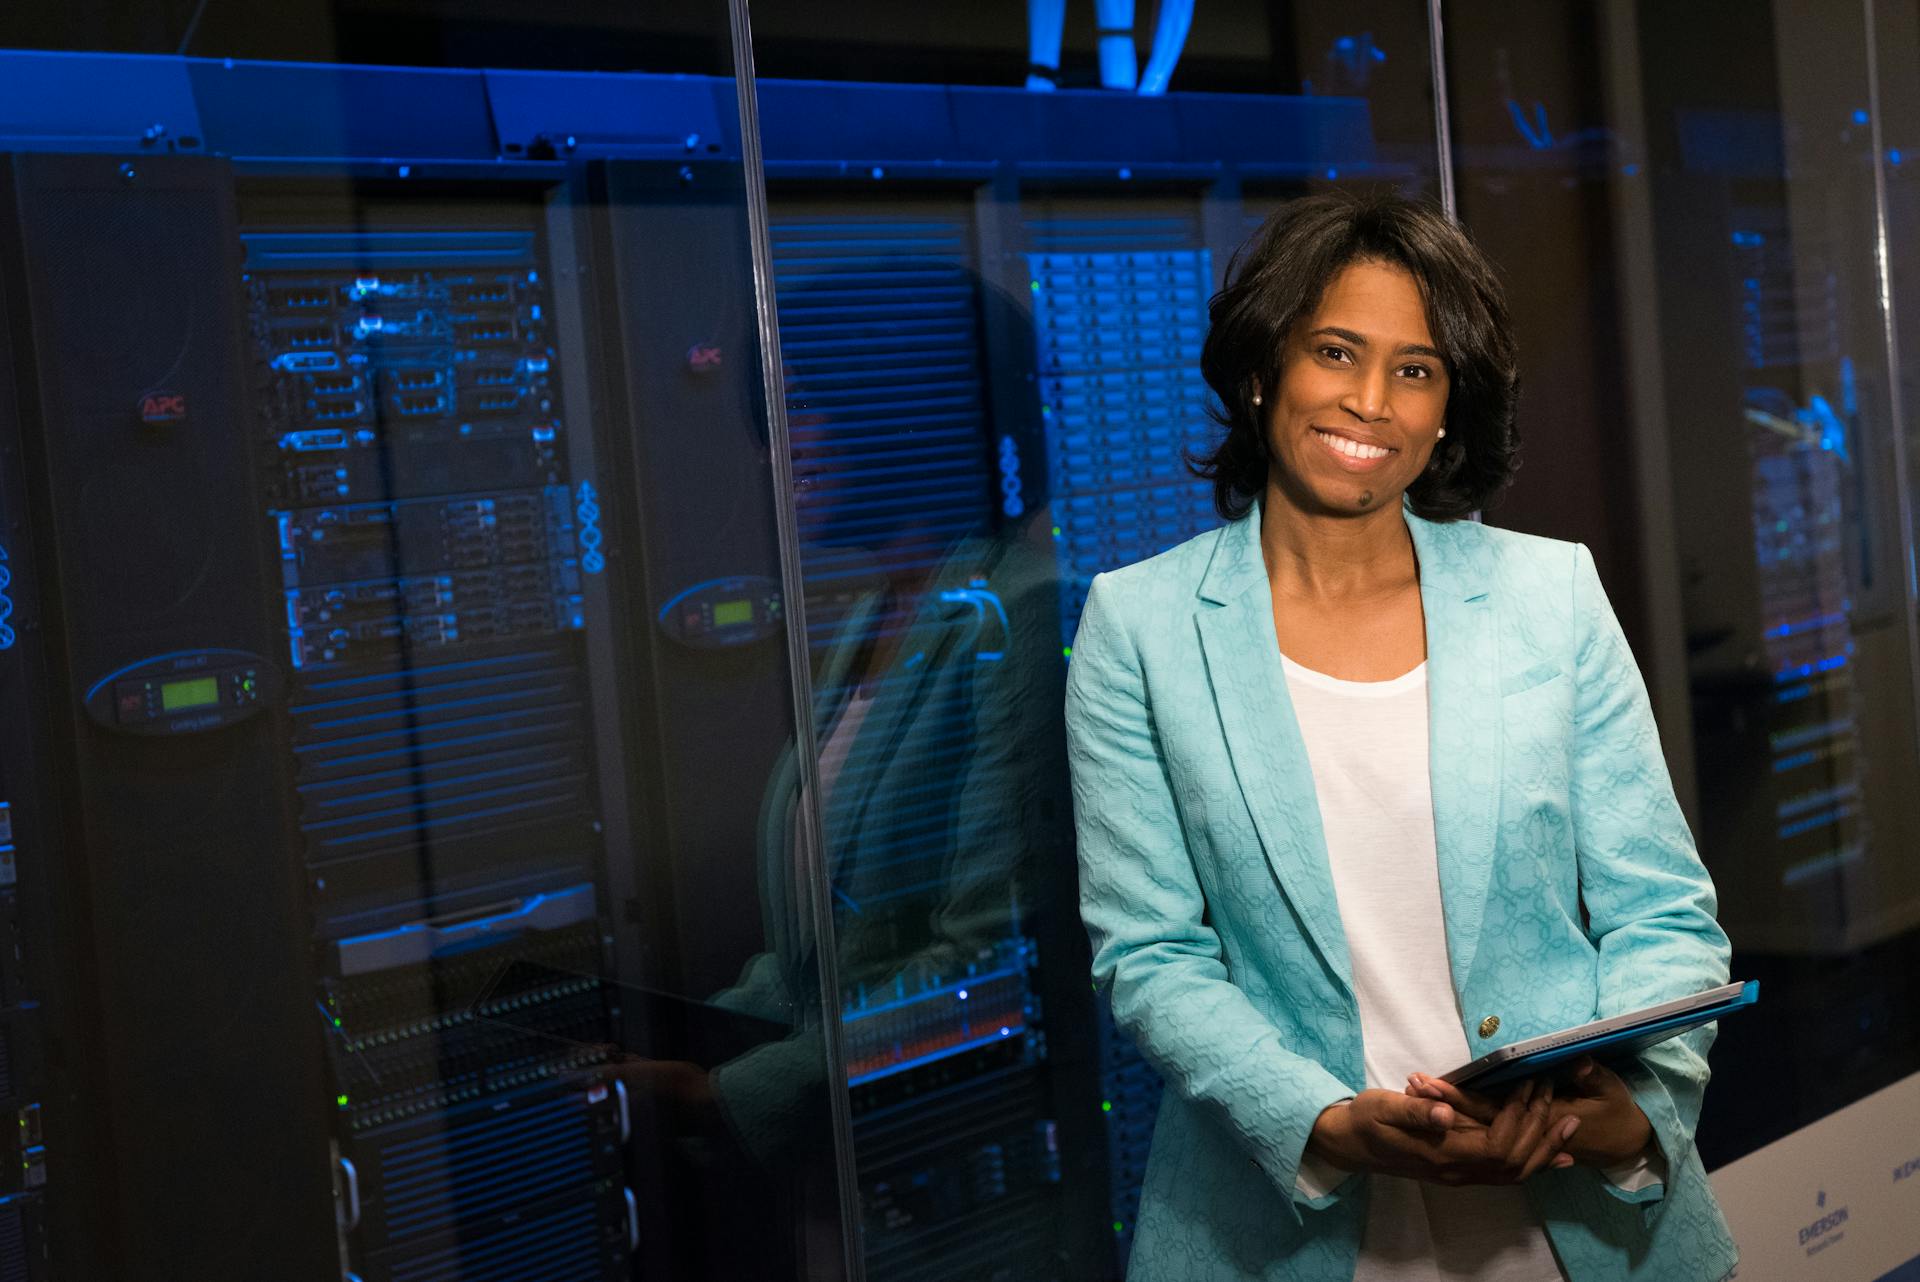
{"x": 1170, "y": 27}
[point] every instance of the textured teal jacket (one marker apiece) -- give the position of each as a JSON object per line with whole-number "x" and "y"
{"x": 1570, "y": 885}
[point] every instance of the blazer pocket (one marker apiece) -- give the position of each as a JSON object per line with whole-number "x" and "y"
{"x": 1538, "y": 675}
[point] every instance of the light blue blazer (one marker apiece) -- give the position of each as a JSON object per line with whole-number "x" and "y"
{"x": 1569, "y": 882}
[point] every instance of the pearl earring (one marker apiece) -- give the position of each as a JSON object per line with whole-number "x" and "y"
{"x": 1443, "y": 431}
{"x": 1256, "y": 398}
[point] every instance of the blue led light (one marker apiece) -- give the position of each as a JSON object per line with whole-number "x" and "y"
{"x": 1860, "y": 115}
{"x": 7, "y": 635}
{"x": 587, "y": 512}
{"x": 1824, "y": 819}
{"x": 1011, "y": 501}
{"x": 947, "y": 1052}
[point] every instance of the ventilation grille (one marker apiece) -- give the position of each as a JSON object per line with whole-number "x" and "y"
{"x": 13, "y": 1245}
{"x": 394, "y": 760}
{"x": 485, "y": 1165}
{"x": 1119, "y": 309}
{"x": 879, "y": 329}
{"x": 562, "y": 1245}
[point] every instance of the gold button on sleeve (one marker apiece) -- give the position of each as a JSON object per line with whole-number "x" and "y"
{"x": 1489, "y": 1026}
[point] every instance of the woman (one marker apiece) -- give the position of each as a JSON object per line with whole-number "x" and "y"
{"x": 1364, "y": 790}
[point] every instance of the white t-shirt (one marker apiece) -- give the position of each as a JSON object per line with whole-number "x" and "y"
{"x": 1367, "y": 745}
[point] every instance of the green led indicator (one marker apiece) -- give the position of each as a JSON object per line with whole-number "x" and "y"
{"x": 1106, "y": 1106}
{"x": 1056, "y": 531}
{"x": 336, "y": 1023}
{"x": 1034, "y": 285}
{"x": 341, "y": 1100}
{"x": 1118, "y": 1227}
{"x": 1067, "y": 650}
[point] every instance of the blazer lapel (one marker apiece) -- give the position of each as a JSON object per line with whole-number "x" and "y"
{"x": 1463, "y": 716}
{"x": 1263, "y": 738}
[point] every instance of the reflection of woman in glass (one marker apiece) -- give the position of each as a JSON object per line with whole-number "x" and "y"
{"x": 1365, "y": 790}
{"x": 934, "y": 650}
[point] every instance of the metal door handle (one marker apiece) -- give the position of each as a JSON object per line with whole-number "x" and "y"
{"x": 352, "y": 1177}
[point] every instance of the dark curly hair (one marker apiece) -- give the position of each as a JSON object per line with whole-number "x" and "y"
{"x": 1277, "y": 279}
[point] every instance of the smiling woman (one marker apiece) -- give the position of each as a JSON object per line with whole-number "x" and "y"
{"x": 1441, "y": 323}
{"x": 1435, "y": 734}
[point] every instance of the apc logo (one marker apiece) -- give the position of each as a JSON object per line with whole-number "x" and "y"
{"x": 163, "y": 407}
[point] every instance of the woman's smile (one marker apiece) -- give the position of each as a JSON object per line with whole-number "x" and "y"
{"x": 1352, "y": 452}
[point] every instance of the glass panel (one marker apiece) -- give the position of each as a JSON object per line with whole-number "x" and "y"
{"x": 1710, "y": 404}
{"x": 397, "y": 725}
{"x": 991, "y": 302}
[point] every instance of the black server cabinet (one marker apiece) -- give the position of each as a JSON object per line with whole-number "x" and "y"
{"x": 28, "y": 980}
{"x": 188, "y": 1114}
{"x": 719, "y": 900}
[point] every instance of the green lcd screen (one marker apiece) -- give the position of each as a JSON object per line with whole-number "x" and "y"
{"x": 728, "y": 613}
{"x": 197, "y": 693}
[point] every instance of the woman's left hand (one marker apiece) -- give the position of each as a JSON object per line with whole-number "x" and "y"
{"x": 1612, "y": 1130}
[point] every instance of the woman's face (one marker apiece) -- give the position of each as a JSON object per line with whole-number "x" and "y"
{"x": 1362, "y": 395}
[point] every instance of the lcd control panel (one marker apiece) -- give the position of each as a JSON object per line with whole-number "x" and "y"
{"x": 725, "y": 612}
{"x": 185, "y": 693}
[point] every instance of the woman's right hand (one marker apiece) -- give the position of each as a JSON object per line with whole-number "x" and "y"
{"x": 1388, "y": 1133}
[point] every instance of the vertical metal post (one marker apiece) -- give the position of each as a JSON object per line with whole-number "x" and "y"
{"x": 1896, "y": 401}
{"x": 1630, "y": 200}
{"x": 1442, "y": 119}
{"x": 808, "y": 829}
